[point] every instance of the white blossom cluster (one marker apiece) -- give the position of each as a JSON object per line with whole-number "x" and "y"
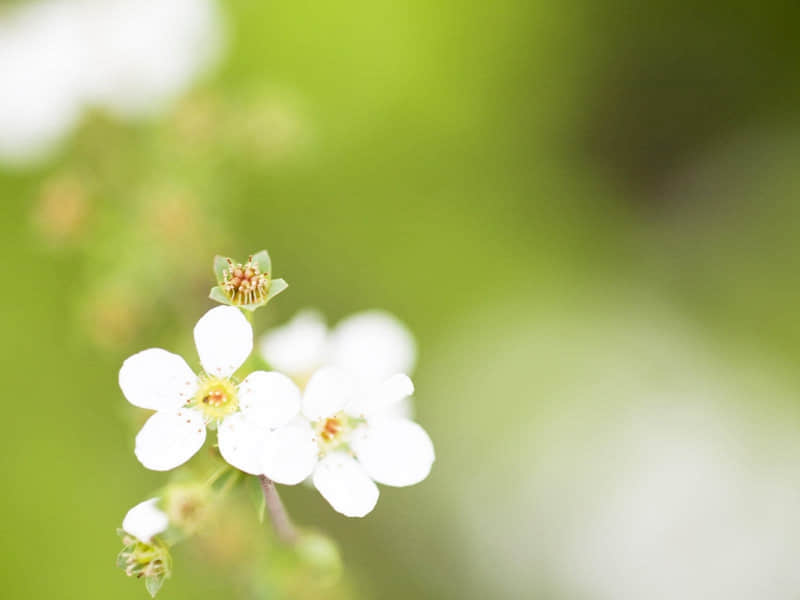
{"x": 335, "y": 409}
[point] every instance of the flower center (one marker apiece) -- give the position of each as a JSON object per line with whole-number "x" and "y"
{"x": 331, "y": 428}
{"x": 245, "y": 283}
{"x": 216, "y": 398}
{"x": 333, "y": 432}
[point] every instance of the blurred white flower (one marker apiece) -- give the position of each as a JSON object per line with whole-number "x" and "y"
{"x": 186, "y": 403}
{"x": 42, "y": 58}
{"x": 130, "y": 57}
{"x": 299, "y": 347}
{"x": 145, "y": 520}
{"x": 145, "y": 53}
{"x": 369, "y": 346}
{"x": 348, "y": 446}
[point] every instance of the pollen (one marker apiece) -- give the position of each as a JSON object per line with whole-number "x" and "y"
{"x": 216, "y": 398}
{"x": 331, "y": 428}
{"x": 333, "y": 432}
{"x": 245, "y": 283}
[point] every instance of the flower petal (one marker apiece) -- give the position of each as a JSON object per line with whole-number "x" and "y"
{"x": 288, "y": 454}
{"x": 399, "y": 410}
{"x": 271, "y": 399}
{"x": 372, "y": 345}
{"x": 224, "y": 340}
{"x": 394, "y": 451}
{"x": 145, "y": 520}
{"x": 327, "y": 392}
{"x": 240, "y": 442}
{"x": 157, "y": 379}
{"x": 345, "y": 485}
{"x": 169, "y": 439}
{"x": 298, "y": 347}
{"x": 382, "y": 399}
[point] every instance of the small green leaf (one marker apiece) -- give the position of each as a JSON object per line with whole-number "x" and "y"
{"x": 263, "y": 261}
{"x": 220, "y": 264}
{"x": 154, "y": 583}
{"x": 275, "y": 288}
{"x": 219, "y": 296}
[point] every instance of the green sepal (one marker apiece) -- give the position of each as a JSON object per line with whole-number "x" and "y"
{"x": 122, "y": 558}
{"x": 218, "y": 295}
{"x": 275, "y": 288}
{"x": 220, "y": 264}
{"x": 154, "y": 583}
{"x": 263, "y": 261}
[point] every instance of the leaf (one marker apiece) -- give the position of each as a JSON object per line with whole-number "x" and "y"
{"x": 154, "y": 583}
{"x": 219, "y": 296}
{"x": 263, "y": 261}
{"x": 220, "y": 264}
{"x": 276, "y": 287}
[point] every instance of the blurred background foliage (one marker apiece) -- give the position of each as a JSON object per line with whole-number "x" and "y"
{"x": 575, "y": 207}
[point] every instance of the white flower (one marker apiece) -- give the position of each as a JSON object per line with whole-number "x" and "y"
{"x": 145, "y": 520}
{"x": 186, "y": 403}
{"x": 60, "y": 57}
{"x": 348, "y": 446}
{"x": 127, "y": 74}
{"x": 370, "y": 347}
{"x": 297, "y": 348}
{"x": 41, "y": 54}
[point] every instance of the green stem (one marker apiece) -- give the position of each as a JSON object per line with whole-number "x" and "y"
{"x": 229, "y": 483}
{"x": 216, "y": 475}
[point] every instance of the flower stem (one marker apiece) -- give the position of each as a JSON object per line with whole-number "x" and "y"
{"x": 277, "y": 513}
{"x": 229, "y": 483}
{"x": 217, "y": 474}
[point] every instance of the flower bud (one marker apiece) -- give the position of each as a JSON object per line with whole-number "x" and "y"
{"x": 149, "y": 560}
{"x": 144, "y": 554}
{"x": 187, "y": 505}
{"x": 247, "y": 285}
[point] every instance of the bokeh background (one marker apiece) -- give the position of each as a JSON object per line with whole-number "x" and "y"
{"x": 586, "y": 212}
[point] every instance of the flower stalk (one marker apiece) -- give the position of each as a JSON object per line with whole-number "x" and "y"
{"x": 277, "y": 513}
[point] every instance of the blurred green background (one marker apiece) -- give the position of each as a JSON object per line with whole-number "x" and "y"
{"x": 579, "y": 209}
